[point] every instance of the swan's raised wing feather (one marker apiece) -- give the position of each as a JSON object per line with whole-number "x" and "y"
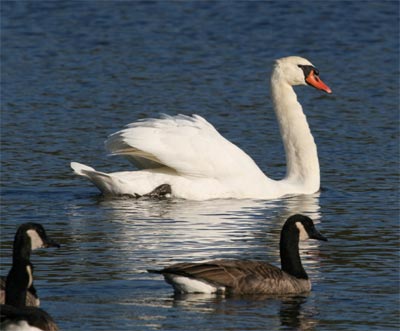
{"x": 187, "y": 144}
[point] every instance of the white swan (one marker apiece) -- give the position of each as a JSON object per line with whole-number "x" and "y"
{"x": 191, "y": 160}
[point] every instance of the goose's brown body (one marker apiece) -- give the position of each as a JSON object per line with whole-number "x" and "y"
{"x": 238, "y": 277}
{"x": 31, "y": 299}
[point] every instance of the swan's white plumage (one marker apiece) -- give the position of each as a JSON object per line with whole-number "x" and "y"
{"x": 189, "y": 146}
{"x": 190, "y": 155}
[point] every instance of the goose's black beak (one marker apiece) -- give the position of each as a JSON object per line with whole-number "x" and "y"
{"x": 315, "y": 234}
{"x": 50, "y": 243}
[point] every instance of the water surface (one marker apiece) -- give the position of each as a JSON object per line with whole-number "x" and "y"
{"x": 75, "y": 72}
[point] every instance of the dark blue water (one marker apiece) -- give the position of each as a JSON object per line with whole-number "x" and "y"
{"x": 74, "y": 72}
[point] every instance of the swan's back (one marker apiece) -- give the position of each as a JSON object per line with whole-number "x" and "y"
{"x": 189, "y": 145}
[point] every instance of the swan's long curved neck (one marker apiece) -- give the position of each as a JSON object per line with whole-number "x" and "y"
{"x": 301, "y": 151}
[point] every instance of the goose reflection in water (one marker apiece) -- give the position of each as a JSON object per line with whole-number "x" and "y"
{"x": 294, "y": 315}
{"x": 293, "y": 312}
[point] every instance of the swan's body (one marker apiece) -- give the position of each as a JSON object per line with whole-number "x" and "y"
{"x": 249, "y": 277}
{"x": 188, "y": 154}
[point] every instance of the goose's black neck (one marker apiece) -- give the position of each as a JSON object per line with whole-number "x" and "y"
{"x": 22, "y": 247}
{"x": 289, "y": 251}
{"x": 19, "y": 278}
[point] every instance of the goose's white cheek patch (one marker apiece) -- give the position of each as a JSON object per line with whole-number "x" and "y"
{"x": 303, "y": 233}
{"x": 36, "y": 241}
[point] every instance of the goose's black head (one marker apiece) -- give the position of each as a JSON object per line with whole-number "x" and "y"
{"x": 31, "y": 236}
{"x": 297, "y": 227}
{"x": 303, "y": 226}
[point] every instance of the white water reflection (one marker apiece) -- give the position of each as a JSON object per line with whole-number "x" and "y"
{"x": 127, "y": 210}
{"x": 166, "y": 231}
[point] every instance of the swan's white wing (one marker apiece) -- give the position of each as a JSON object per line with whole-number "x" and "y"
{"x": 187, "y": 144}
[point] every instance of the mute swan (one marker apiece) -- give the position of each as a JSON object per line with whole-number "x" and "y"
{"x": 15, "y": 314}
{"x": 249, "y": 277}
{"x": 186, "y": 156}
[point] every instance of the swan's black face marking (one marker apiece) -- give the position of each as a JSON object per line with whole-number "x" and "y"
{"x": 307, "y": 69}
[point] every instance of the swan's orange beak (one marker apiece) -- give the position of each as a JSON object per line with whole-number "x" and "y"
{"x": 315, "y": 81}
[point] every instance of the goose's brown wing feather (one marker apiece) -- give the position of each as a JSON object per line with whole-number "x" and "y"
{"x": 31, "y": 296}
{"x": 236, "y": 275}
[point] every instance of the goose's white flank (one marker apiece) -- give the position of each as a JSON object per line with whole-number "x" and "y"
{"x": 186, "y": 157}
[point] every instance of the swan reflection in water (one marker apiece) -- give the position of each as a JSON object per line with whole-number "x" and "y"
{"x": 175, "y": 230}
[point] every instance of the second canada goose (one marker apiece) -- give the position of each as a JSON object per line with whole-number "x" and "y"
{"x": 25, "y": 319}
{"x": 250, "y": 277}
{"x": 29, "y": 236}
{"x": 15, "y": 315}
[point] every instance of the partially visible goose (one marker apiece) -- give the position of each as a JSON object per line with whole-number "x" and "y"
{"x": 25, "y": 319}
{"x": 25, "y": 242}
{"x": 186, "y": 157}
{"x": 250, "y": 277}
{"x": 15, "y": 315}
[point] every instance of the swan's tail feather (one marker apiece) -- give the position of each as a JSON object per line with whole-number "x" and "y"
{"x": 80, "y": 169}
{"x": 106, "y": 183}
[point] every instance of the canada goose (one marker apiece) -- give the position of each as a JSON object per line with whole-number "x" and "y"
{"x": 191, "y": 158}
{"x": 249, "y": 277}
{"x": 32, "y": 298}
{"x": 14, "y": 313}
{"x": 25, "y": 242}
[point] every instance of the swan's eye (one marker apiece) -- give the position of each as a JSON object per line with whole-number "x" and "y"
{"x": 307, "y": 69}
